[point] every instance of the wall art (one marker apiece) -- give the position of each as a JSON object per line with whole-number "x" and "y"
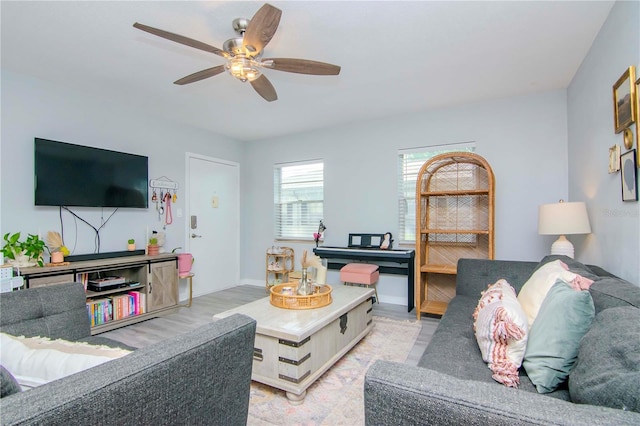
{"x": 637, "y": 122}
{"x": 624, "y": 101}
{"x": 614, "y": 158}
{"x": 629, "y": 176}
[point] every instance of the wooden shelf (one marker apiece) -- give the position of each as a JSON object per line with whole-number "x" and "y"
{"x": 439, "y": 269}
{"x": 156, "y": 278}
{"x": 455, "y": 192}
{"x": 454, "y": 219}
{"x": 433, "y": 307}
{"x": 91, "y": 293}
{"x": 113, "y": 325}
{"x": 286, "y": 258}
{"x": 455, "y": 231}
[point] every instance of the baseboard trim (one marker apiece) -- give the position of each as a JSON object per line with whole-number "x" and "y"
{"x": 256, "y": 283}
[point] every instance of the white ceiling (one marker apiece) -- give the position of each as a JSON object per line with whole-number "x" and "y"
{"x": 396, "y": 56}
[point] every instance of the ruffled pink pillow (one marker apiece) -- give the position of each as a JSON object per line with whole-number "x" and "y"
{"x": 501, "y": 328}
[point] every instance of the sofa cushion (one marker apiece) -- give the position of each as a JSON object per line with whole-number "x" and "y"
{"x": 58, "y": 311}
{"x": 454, "y": 340}
{"x": 453, "y": 349}
{"x": 8, "y": 384}
{"x": 574, "y": 266}
{"x": 554, "y": 337}
{"x": 500, "y": 327}
{"x": 533, "y": 292}
{"x": 608, "y": 369}
{"x": 34, "y": 361}
{"x": 611, "y": 292}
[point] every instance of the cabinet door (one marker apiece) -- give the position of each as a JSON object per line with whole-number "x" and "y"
{"x": 51, "y": 280}
{"x": 162, "y": 290}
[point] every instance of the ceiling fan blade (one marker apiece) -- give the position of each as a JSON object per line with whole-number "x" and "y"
{"x": 200, "y": 75}
{"x": 181, "y": 39}
{"x": 261, "y": 28}
{"x": 301, "y": 66}
{"x": 263, "y": 86}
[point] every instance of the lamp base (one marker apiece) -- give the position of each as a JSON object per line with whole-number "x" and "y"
{"x": 562, "y": 246}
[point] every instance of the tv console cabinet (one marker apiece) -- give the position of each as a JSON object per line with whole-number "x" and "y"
{"x": 153, "y": 277}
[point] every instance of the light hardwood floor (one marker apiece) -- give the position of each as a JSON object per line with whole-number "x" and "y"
{"x": 204, "y": 307}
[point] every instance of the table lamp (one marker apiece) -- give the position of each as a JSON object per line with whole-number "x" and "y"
{"x": 563, "y": 219}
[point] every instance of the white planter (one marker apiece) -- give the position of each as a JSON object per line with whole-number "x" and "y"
{"x": 21, "y": 261}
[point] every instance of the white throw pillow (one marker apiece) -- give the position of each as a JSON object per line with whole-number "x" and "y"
{"x": 34, "y": 361}
{"x": 500, "y": 326}
{"x": 534, "y": 291}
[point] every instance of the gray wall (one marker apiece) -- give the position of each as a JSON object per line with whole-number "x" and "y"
{"x": 523, "y": 138}
{"x": 34, "y": 108}
{"x": 615, "y": 241}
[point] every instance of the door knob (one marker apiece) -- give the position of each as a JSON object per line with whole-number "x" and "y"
{"x": 196, "y": 236}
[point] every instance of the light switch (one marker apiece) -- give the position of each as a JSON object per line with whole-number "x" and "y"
{"x": 214, "y": 202}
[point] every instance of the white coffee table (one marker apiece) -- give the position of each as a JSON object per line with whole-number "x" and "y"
{"x": 295, "y": 347}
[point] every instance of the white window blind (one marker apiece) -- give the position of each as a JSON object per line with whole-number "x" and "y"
{"x": 298, "y": 190}
{"x": 409, "y": 163}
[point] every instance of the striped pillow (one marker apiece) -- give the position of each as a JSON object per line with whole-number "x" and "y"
{"x": 501, "y": 327}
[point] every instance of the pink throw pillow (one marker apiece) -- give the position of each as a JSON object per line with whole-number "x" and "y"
{"x": 501, "y": 328}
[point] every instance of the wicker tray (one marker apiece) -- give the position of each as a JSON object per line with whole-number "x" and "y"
{"x": 294, "y": 301}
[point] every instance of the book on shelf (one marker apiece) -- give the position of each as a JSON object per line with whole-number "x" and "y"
{"x": 100, "y": 311}
{"x": 83, "y": 278}
{"x": 127, "y": 305}
{"x": 116, "y": 307}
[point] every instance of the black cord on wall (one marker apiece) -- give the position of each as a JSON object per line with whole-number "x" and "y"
{"x": 96, "y": 230}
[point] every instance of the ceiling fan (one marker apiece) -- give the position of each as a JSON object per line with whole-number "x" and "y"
{"x": 243, "y": 54}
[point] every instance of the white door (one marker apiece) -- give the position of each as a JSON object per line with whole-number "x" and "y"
{"x": 213, "y": 222}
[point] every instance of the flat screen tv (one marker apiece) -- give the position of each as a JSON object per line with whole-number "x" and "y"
{"x": 82, "y": 176}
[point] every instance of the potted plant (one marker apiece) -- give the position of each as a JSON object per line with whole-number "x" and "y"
{"x": 152, "y": 248}
{"x": 23, "y": 253}
{"x": 131, "y": 244}
{"x": 56, "y": 248}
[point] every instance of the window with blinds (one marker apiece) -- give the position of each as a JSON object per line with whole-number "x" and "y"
{"x": 409, "y": 163}
{"x": 298, "y": 199}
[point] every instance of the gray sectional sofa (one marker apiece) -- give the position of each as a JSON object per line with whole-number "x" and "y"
{"x": 201, "y": 377}
{"x": 452, "y": 385}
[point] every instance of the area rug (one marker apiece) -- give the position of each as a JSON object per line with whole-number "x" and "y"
{"x": 336, "y": 398}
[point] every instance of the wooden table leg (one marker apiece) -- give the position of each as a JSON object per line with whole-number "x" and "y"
{"x": 190, "y": 278}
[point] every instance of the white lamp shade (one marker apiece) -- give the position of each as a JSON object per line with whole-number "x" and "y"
{"x": 563, "y": 219}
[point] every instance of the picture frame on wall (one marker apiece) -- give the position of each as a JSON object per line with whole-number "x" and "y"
{"x": 624, "y": 100}
{"x": 614, "y": 158}
{"x": 629, "y": 176}
{"x": 637, "y": 122}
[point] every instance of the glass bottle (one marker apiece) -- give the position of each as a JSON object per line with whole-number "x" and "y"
{"x": 304, "y": 286}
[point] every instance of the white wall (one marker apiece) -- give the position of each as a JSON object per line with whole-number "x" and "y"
{"x": 615, "y": 241}
{"x": 524, "y": 139}
{"x": 35, "y": 108}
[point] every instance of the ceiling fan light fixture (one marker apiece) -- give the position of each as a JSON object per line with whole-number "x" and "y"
{"x": 242, "y": 68}
{"x": 243, "y": 54}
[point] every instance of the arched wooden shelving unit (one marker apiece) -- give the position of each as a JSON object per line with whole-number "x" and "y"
{"x": 454, "y": 219}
